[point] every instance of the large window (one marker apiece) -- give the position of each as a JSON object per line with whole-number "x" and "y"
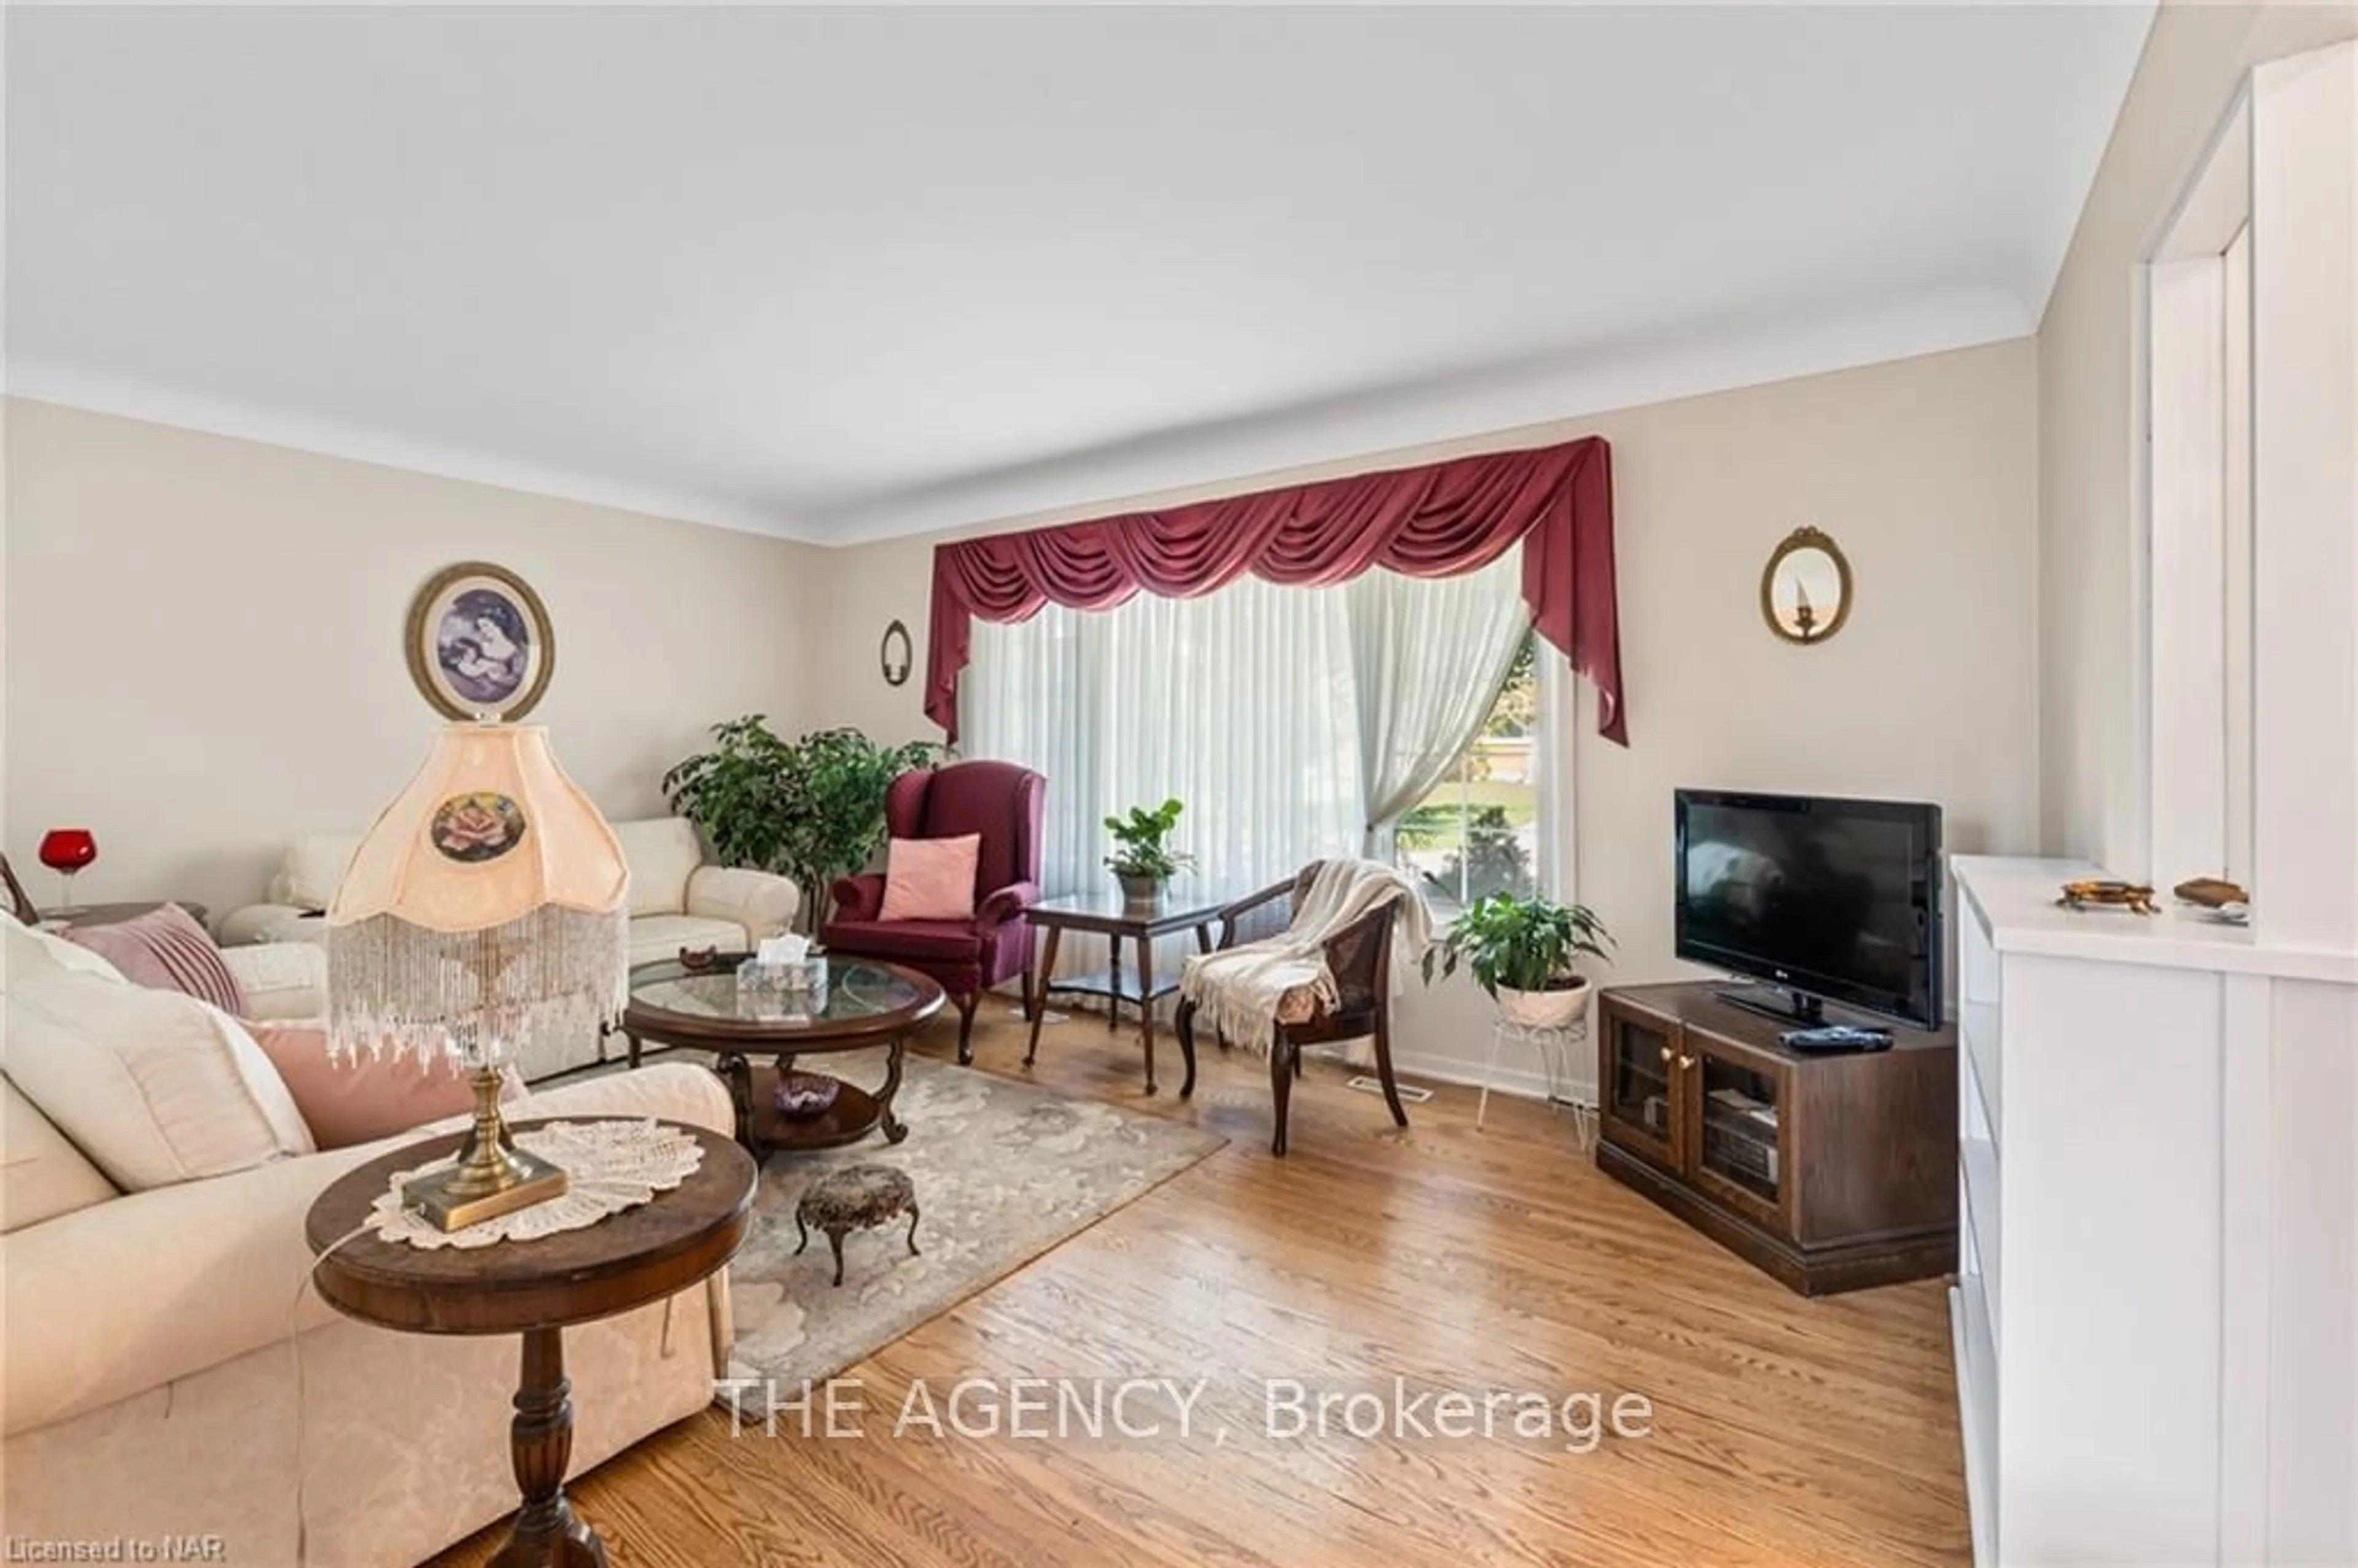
{"x": 1478, "y": 831}
{"x": 1237, "y": 703}
{"x": 1293, "y": 723}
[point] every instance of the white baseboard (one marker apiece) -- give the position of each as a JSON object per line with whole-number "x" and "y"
{"x": 1515, "y": 1074}
{"x": 1524, "y": 1082}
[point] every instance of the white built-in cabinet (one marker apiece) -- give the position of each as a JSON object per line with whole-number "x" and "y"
{"x": 2157, "y": 1309}
{"x": 2156, "y": 1302}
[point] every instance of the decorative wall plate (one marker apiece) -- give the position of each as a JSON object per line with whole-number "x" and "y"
{"x": 478, "y": 643}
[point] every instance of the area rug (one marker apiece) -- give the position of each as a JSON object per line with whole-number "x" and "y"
{"x": 1003, "y": 1171}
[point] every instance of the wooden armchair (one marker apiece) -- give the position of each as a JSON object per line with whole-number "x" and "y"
{"x": 1360, "y": 958}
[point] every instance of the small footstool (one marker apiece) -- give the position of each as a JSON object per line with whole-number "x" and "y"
{"x": 858, "y": 1198}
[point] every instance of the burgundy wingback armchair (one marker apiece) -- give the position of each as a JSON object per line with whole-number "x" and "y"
{"x": 1000, "y": 801}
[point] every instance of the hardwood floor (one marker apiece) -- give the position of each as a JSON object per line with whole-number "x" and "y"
{"x": 1784, "y": 1431}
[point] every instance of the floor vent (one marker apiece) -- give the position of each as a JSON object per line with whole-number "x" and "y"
{"x": 1408, "y": 1092}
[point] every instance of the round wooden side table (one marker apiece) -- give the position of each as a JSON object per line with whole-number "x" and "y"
{"x": 533, "y": 1289}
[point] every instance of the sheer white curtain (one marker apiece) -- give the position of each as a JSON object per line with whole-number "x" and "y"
{"x": 1428, "y": 658}
{"x": 1240, "y": 703}
{"x": 1294, "y": 724}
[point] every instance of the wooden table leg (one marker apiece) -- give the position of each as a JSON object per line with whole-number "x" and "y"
{"x": 1113, "y": 1002}
{"x": 546, "y": 1533}
{"x": 1040, "y": 998}
{"x": 1146, "y": 1003}
{"x": 737, "y": 1073}
{"x": 893, "y": 1129}
{"x": 634, "y": 1041}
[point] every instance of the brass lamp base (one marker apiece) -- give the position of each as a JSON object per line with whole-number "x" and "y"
{"x": 492, "y": 1176}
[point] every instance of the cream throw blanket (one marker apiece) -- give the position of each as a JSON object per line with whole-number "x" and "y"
{"x": 1239, "y": 991}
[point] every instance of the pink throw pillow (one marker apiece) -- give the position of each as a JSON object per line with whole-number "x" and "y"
{"x": 347, "y": 1102}
{"x": 930, "y": 879}
{"x": 165, "y": 950}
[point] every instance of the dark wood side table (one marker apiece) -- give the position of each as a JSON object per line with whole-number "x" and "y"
{"x": 533, "y": 1289}
{"x": 1111, "y": 916}
{"x": 116, "y": 913}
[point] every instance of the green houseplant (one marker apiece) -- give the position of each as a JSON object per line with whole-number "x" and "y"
{"x": 1520, "y": 950}
{"x": 1144, "y": 859}
{"x": 812, "y": 809}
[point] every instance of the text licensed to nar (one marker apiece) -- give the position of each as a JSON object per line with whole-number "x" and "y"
{"x": 189, "y": 1548}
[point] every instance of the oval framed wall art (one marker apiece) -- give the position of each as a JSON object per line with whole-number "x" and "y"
{"x": 478, "y": 643}
{"x": 1806, "y": 590}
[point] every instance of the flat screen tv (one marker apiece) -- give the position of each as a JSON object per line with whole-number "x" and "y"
{"x": 1832, "y": 900}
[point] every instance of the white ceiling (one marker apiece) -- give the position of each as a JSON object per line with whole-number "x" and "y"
{"x": 845, "y": 273}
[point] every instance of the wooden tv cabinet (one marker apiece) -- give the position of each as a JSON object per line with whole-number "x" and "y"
{"x": 1833, "y": 1172}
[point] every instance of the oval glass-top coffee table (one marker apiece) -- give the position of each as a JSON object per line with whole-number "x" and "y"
{"x": 866, "y": 1003}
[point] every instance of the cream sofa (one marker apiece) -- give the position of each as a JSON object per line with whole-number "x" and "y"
{"x": 677, "y": 901}
{"x": 168, "y": 1375}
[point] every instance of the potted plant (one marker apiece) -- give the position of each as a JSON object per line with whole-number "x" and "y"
{"x": 1144, "y": 859}
{"x": 812, "y": 809}
{"x": 1520, "y": 951}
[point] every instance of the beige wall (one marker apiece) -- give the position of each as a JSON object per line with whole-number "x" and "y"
{"x": 2092, "y": 797}
{"x": 202, "y": 636}
{"x": 1923, "y": 469}
{"x": 203, "y": 642}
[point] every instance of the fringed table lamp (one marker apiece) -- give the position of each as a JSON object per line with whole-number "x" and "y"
{"x": 485, "y": 906}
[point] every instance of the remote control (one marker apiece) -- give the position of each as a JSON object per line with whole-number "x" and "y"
{"x": 1836, "y": 1037}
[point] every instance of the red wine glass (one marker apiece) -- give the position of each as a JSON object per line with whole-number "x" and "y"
{"x": 66, "y": 850}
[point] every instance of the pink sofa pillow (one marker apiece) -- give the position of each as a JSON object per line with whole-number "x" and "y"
{"x": 165, "y": 950}
{"x": 930, "y": 879}
{"x": 348, "y": 1102}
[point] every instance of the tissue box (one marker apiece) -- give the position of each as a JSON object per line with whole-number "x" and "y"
{"x": 786, "y": 991}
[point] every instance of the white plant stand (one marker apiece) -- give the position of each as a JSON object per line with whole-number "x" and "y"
{"x": 1563, "y": 1057}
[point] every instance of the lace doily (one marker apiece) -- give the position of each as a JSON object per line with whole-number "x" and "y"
{"x": 609, "y": 1166}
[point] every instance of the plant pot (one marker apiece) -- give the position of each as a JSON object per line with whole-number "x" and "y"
{"x": 1140, "y": 893}
{"x": 1552, "y": 1009}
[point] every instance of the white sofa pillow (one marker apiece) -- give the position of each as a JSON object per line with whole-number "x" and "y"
{"x": 281, "y": 979}
{"x": 41, "y": 1175}
{"x": 157, "y": 1087}
{"x": 314, "y": 869}
{"x": 662, "y": 852}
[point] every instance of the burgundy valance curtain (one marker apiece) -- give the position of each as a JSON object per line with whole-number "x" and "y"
{"x": 1438, "y": 520}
